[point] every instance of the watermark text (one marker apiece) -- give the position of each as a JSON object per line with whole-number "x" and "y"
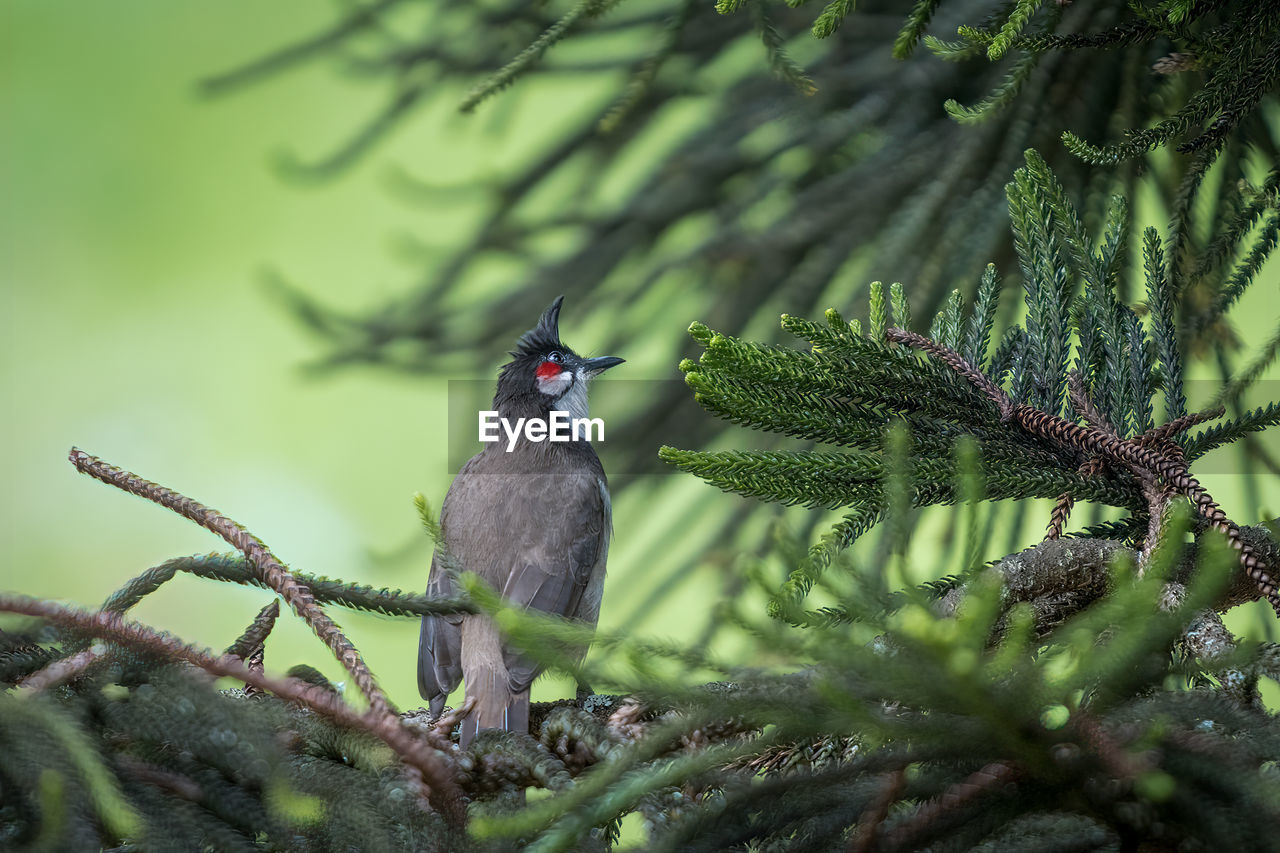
{"x": 559, "y": 426}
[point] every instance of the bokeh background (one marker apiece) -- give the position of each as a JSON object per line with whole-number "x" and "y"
{"x": 141, "y": 226}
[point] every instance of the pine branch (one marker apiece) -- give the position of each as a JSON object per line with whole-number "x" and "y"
{"x": 442, "y": 791}
{"x": 832, "y": 17}
{"x": 1160, "y": 300}
{"x": 782, "y": 64}
{"x": 999, "y": 98}
{"x": 234, "y": 568}
{"x": 63, "y": 669}
{"x": 959, "y": 796}
{"x": 642, "y": 81}
{"x": 102, "y": 790}
{"x": 1018, "y": 18}
{"x": 583, "y": 10}
{"x": 983, "y": 317}
{"x": 1244, "y": 274}
{"x": 1129, "y": 453}
{"x": 1214, "y": 437}
{"x": 269, "y": 569}
{"x": 254, "y": 636}
{"x": 913, "y": 30}
{"x": 361, "y": 18}
{"x": 1244, "y": 379}
{"x": 802, "y": 579}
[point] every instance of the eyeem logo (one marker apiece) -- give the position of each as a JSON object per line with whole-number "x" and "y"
{"x": 559, "y": 427}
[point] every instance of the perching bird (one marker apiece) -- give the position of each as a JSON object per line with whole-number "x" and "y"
{"x": 533, "y": 522}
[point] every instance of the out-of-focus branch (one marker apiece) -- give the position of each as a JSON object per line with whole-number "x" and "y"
{"x": 437, "y": 776}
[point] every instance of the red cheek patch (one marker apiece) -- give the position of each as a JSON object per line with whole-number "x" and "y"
{"x": 549, "y": 370}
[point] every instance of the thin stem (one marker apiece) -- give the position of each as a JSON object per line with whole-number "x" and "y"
{"x": 62, "y": 670}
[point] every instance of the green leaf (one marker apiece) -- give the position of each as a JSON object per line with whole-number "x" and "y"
{"x": 832, "y": 17}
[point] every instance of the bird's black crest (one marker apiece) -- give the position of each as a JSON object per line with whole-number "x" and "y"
{"x": 545, "y": 335}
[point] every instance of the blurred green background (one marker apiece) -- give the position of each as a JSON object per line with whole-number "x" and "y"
{"x": 138, "y": 223}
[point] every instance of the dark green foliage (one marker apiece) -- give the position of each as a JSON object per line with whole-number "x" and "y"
{"x": 152, "y": 755}
{"x": 847, "y": 387}
{"x": 1081, "y": 694}
{"x": 770, "y": 200}
{"x": 582, "y": 11}
{"x": 170, "y": 763}
{"x": 236, "y": 569}
{"x": 21, "y": 655}
{"x": 1243, "y": 53}
{"x": 1216, "y": 436}
{"x": 1082, "y": 730}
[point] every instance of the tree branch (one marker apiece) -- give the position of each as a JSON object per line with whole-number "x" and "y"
{"x": 270, "y": 569}
{"x": 432, "y": 769}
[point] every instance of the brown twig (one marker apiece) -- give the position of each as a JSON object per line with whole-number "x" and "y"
{"x": 1060, "y": 515}
{"x": 1120, "y": 762}
{"x": 1084, "y": 403}
{"x": 1159, "y": 498}
{"x": 1091, "y": 467}
{"x": 956, "y": 362}
{"x": 235, "y": 568}
{"x": 863, "y": 839}
{"x": 250, "y": 646}
{"x": 255, "y": 662}
{"x": 422, "y": 761}
{"x": 1172, "y": 473}
{"x": 1166, "y": 432}
{"x": 1146, "y": 461}
{"x": 627, "y": 722}
{"x": 174, "y": 783}
{"x": 448, "y": 720}
{"x": 955, "y": 797}
{"x": 1159, "y": 439}
{"x": 63, "y": 670}
{"x": 270, "y": 569}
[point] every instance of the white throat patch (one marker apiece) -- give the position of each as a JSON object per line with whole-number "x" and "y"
{"x": 556, "y": 385}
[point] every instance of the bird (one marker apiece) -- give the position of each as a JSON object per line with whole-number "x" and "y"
{"x": 533, "y": 520}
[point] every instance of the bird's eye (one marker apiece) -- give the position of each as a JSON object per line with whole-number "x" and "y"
{"x": 550, "y": 367}
{"x": 556, "y": 356}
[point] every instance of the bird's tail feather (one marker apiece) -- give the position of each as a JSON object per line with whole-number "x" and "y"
{"x": 497, "y": 707}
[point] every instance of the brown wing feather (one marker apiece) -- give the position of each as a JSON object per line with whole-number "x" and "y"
{"x": 553, "y": 577}
{"x": 440, "y": 638}
{"x": 535, "y": 536}
{"x": 439, "y": 644}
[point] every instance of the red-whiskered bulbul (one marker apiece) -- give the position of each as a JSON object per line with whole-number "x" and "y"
{"x": 533, "y": 521}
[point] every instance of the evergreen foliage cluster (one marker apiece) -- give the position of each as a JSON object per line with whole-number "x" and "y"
{"x": 787, "y": 186}
{"x": 767, "y": 201}
{"x": 849, "y": 386}
{"x": 1081, "y": 694}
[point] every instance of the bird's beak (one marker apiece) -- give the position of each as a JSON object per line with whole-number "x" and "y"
{"x": 593, "y": 366}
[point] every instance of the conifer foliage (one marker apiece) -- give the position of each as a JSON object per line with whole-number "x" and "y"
{"x": 809, "y": 181}
{"x": 849, "y": 386}
{"x": 1081, "y": 694}
{"x": 795, "y": 183}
